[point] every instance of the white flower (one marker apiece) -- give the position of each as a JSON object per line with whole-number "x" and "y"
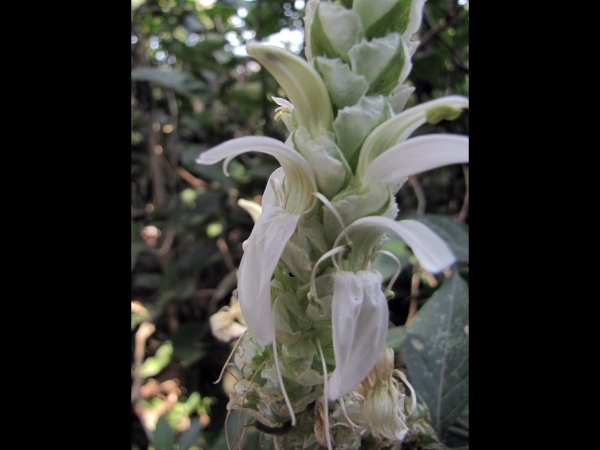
{"x": 387, "y": 158}
{"x": 359, "y": 306}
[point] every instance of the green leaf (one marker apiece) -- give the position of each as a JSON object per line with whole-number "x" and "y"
{"x": 136, "y": 249}
{"x": 395, "y": 337}
{"x": 190, "y": 436}
{"x": 454, "y": 233}
{"x": 163, "y": 435}
{"x": 183, "y": 83}
{"x": 437, "y": 352}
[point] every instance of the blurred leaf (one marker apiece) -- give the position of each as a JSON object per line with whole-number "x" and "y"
{"x": 187, "y": 216}
{"x": 190, "y": 436}
{"x": 163, "y": 435}
{"x": 186, "y": 342}
{"x": 183, "y": 83}
{"x": 154, "y": 364}
{"x": 148, "y": 280}
{"x": 136, "y": 249}
{"x": 262, "y": 170}
{"x": 182, "y": 290}
{"x": 249, "y": 92}
{"x": 437, "y": 352}
{"x": 204, "y": 254}
{"x": 395, "y": 337}
{"x": 454, "y": 233}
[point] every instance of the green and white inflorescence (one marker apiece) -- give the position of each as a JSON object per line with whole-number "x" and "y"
{"x": 315, "y": 356}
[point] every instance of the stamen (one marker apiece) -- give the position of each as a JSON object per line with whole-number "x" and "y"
{"x": 343, "y": 405}
{"x": 333, "y": 251}
{"x": 285, "y": 396}
{"x": 325, "y": 392}
{"x": 331, "y": 208}
{"x": 230, "y": 355}
{"x": 371, "y": 257}
{"x": 413, "y": 394}
{"x": 278, "y": 191}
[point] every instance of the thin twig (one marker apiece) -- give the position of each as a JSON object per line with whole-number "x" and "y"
{"x": 464, "y": 210}
{"x": 422, "y": 201}
{"x": 158, "y": 184}
{"x": 224, "y": 249}
{"x": 434, "y": 31}
{"x": 414, "y": 288}
{"x": 196, "y": 182}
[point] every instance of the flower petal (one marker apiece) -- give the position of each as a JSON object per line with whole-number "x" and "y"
{"x": 297, "y": 171}
{"x": 360, "y": 321}
{"x": 271, "y": 232}
{"x": 302, "y": 84}
{"x": 416, "y": 155}
{"x": 401, "y": 126}
{"x": 431, "y": 251}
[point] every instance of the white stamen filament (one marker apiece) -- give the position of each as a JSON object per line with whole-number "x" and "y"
{"x": 331, "y": 208}
{"x": 230, "y": 355}
{"x": 278, "y": 191}
{"x": 372, "y": 256}
{"x": 413, "y": 394}
{"x": 327, "y": 435}
{"x": 285, "y": 396}
{"x": 343, "y": 405}
{"x": 333, "y": 251}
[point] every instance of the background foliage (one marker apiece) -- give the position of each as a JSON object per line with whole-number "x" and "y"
{"x": 193, "y": 87}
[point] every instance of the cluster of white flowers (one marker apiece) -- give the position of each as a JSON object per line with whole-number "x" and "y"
{"x": 315, "y": 308}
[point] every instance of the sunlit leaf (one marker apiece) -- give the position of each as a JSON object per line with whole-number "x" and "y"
{"x": 154, "y": 364}
{"x": 183, "y": 83}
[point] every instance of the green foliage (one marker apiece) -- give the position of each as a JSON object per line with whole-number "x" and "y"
{"x": 437, "y": 352}
{"x": 191, "y": 89}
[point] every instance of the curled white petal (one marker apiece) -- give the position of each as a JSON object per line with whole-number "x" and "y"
{"x": 359, "y": 321}
{"x": 297, "y": 171}
{"x": 433, "y": 253}
{"x": 399, "y": 128}
{"x": 416, "y": 155}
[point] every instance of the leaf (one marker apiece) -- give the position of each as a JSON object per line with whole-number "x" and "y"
{"x": 437, "y": 352}
{"x": 190, "y": 436}
{"x": 136, "y": 249}
{"x": 183, "y": 83}
{"x": 454, "y": 233}
{"x": 395, "y": 337}
{"x": 163, "y": 435}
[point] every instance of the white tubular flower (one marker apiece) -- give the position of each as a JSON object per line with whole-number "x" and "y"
{"x": 359, "y": 306}
{"x": 281, "y": 210}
